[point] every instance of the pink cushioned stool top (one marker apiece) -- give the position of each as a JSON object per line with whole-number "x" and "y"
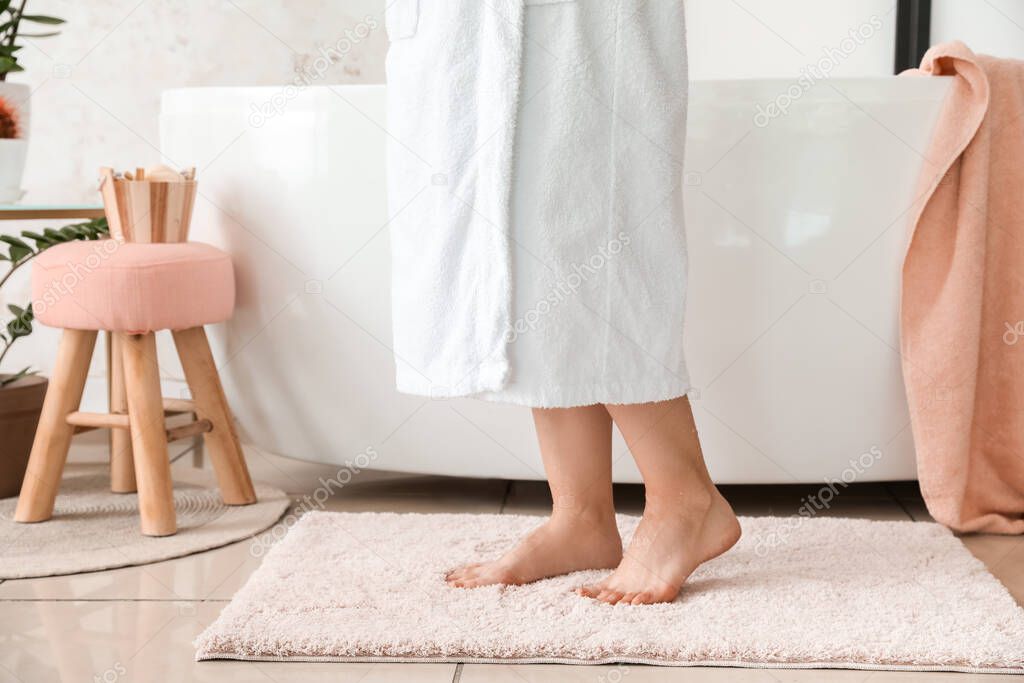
{"x": 131, "y": 287}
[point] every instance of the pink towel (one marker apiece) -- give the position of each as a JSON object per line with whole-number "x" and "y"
{"x": 963, "y": 298}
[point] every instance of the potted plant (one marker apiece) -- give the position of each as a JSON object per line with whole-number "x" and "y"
{"x": 22, "y": 392}
{"x": 14, "y": 97}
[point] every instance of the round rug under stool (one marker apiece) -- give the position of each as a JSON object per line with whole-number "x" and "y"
{"x": 94, "y": 529}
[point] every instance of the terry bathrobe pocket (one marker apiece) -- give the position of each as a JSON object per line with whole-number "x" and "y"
{"x": 402, "y": 18}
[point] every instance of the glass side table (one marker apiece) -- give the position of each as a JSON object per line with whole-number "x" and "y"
{"x": 36, "y": 212}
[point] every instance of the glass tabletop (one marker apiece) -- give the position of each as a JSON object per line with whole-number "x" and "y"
{"x": 45, "y": 211}
{"x": 51, "y": 207}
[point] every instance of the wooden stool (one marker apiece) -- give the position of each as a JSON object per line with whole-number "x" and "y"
{"x": 133, "y": 290}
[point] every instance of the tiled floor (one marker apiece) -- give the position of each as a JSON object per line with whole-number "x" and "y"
{"x": 137, "y": 623}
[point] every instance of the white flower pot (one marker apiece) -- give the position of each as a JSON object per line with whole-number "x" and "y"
{"x": 14, "y": 98}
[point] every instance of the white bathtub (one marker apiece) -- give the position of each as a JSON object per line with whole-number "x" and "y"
{"x": 797, "y": 226}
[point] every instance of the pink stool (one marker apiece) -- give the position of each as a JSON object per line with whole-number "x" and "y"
{"x": 133, "y": 290}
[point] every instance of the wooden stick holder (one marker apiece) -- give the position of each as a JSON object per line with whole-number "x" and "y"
{"x": 147, "y": 211}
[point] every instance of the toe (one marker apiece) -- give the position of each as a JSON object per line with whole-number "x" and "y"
{"x": 460, "y": 572}
{"x": 627, "y": 599}
{"x": 641, "y": 599}
{"x": 477, "y": 578}
{"x": 609, "y": 596}
{"x": 453, "y": 578}
{"x": 590, "y": 591}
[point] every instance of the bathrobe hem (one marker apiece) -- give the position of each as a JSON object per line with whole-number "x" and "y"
{"x": 578, "y": 397}
{"x": 488, "y": 377}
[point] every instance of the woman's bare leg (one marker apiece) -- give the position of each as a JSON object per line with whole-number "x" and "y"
{"x": 576, "y": 445}
{"x": 686, "y": 520}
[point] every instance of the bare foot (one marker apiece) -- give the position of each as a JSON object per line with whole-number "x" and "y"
{"x": 669, "y": 544}
{"x": 565, "y": 543}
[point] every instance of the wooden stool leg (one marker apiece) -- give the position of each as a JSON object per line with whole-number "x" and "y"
{"x": 148, "y": 433}
{"x": 211, "y": 404}
{"x": 122, "y": 465}
{"x": 53, "y": 435}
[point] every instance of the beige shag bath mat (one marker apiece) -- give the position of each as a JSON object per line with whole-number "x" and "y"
{"x": 794, "y": 592}
{"x": 94, "y": 529}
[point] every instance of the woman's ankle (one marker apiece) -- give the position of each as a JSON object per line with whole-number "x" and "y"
{"x": 693, "y": 498}
{"x": 567, "y": 510}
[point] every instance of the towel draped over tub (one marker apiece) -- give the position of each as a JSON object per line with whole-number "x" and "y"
{"x": 535, "y": 199}
{"x": 963, "y": 298}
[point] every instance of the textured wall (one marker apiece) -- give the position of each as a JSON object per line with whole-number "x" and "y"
{"x": 97, "y": 87}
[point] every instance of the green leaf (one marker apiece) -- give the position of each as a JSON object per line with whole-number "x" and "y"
{"x": 9, "y": 50}
{"x": 21, "y": 374}
{"x": 19, "y": 328}
{"x": 42, "y": 19}
{"x": 55, "y": 235}
{"x": 19, "y": 253}
{"x": 96, "y": 228}
{"x": 13, "y": 241}
{"x": 41, "y": 242}
{"x": 18, "y": 248}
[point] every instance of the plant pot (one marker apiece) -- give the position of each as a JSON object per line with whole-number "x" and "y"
{"x": 14, "y": 127}
{"x": 20, "y": 405}
{"x": 12, "y": 166}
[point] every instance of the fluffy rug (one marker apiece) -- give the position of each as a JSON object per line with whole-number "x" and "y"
{"x": 794, "y": 592}
{"x": 94, "y": 529}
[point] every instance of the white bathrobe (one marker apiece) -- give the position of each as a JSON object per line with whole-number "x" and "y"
{"x": 535, "y": 199}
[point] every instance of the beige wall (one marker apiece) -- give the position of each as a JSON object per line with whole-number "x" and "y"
{"x": 97, "y": 87}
